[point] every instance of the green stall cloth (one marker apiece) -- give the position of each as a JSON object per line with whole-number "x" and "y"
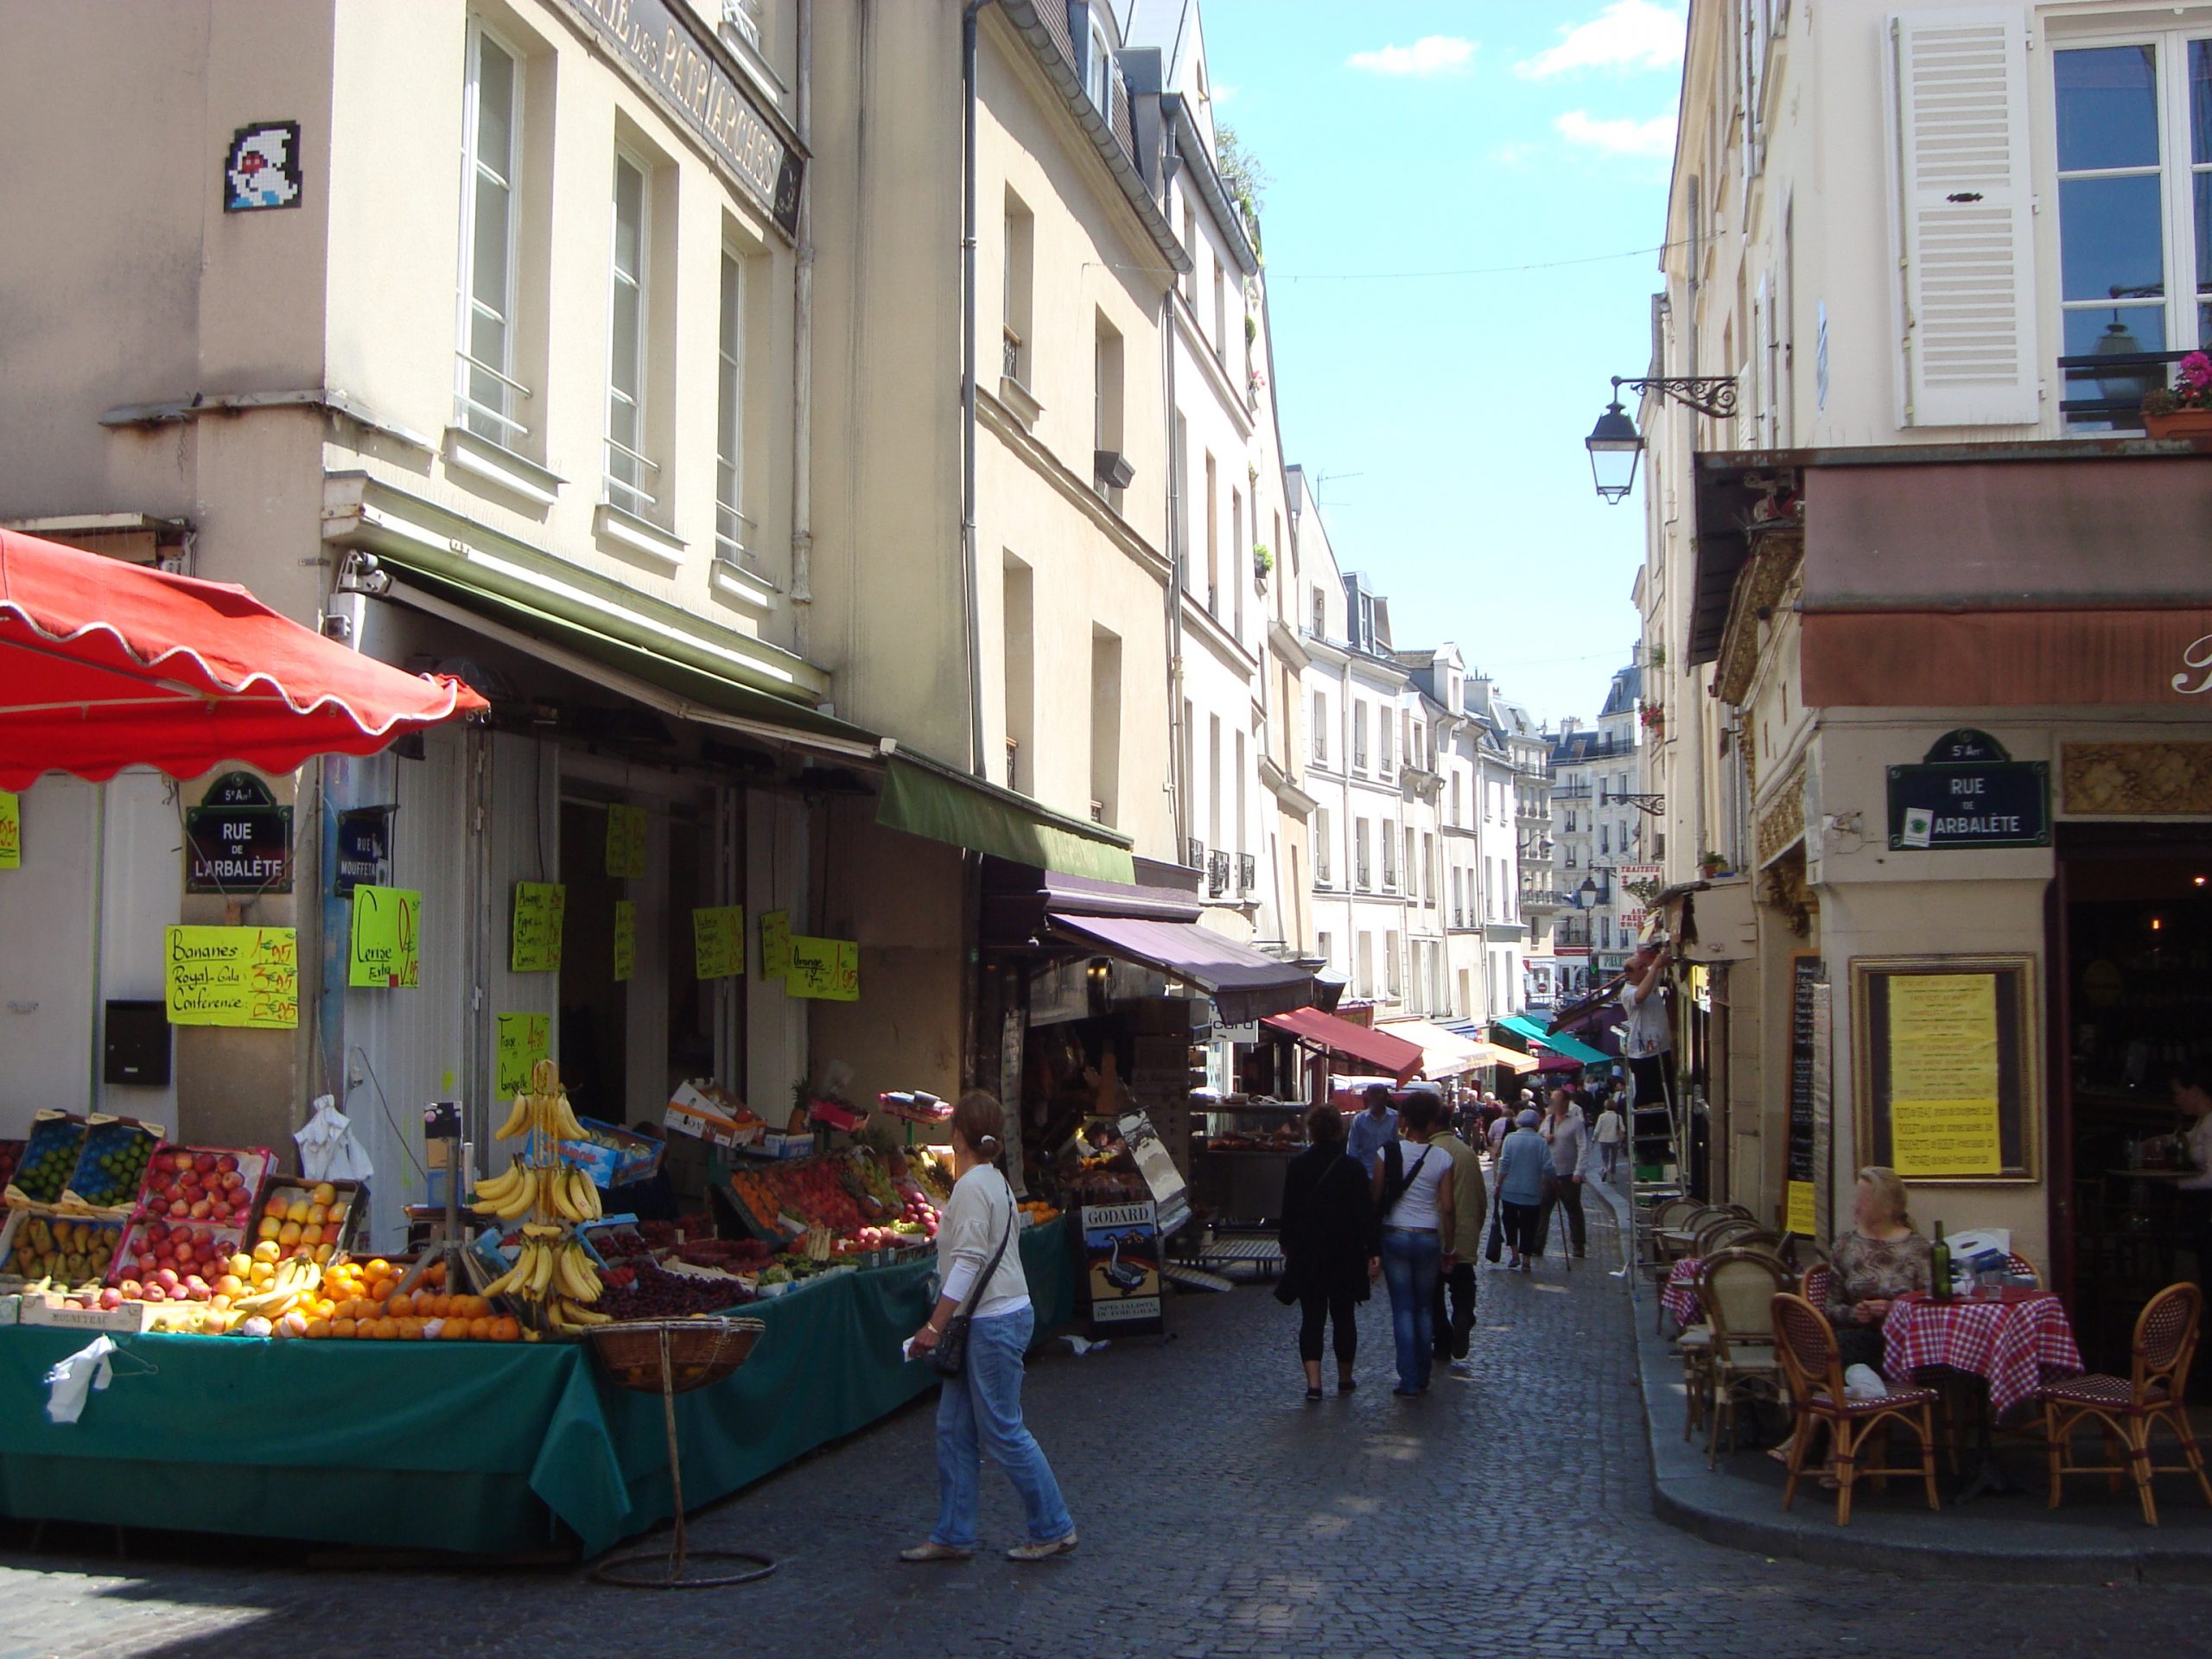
{"x": 461, "y": 1446}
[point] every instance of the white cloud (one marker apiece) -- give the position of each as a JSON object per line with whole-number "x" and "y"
{"x": 1618, "y": 136}
{"x": 1432, "y": 54}
{"x": 1628, "y": 34}
{"x": 1224, "y": 90}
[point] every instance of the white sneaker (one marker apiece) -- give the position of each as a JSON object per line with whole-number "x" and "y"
{"x": 1464, "y": 1370}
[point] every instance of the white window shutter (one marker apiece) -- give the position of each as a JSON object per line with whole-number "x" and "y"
{"x": 1962, "y": 229}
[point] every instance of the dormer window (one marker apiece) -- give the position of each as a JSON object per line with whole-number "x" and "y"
{"x": 1098, "y": 71}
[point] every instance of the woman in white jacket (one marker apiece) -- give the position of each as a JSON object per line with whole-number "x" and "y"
{"x": 980, "y": 1410}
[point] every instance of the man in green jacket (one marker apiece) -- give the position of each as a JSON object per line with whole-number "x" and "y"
{"x": 1470, "y": 1214}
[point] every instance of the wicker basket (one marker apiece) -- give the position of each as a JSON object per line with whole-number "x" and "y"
{"x": 700, "y": 1350}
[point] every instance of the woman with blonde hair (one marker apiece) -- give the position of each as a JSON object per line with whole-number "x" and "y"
{"x": 979, "y": 1411}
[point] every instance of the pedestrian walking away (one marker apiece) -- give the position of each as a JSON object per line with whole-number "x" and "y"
{"x": 979, "y": 1410}
{"x": 1375, "y": 1128}
{"x": 1607, "y": 1134}
{"x": 1524, "y": 1164}
{"x": 1568, "y": 1137}
{"x": 1329, "y": 1246}
{"x": 1414, "y": 1194}
{"x": 1469, "y": 1211}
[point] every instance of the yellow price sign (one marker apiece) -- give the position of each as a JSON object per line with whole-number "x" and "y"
{"x": 826, "y": 970}
{"x": 1799, "y": 1220}
{"x": 775, "y": 942}
{"x": 718, "y": 940}
{"x": 11, "y": 831}
{"x": 239, "y": 977}
{"x": 523, "y": 1039}
{"x": 625, "y": 939}
{"x": 387, "y": 951}
{"x": 540, "y": 907}
{"x": 626, "y": 842}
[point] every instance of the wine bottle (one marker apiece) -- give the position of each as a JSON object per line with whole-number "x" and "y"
{"x": 1939, "y": 1269}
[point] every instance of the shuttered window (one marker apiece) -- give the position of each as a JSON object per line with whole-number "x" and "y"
{"x": 1963, "y": 226}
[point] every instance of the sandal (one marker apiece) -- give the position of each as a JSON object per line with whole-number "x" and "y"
{"x": 1312, "y": 1394}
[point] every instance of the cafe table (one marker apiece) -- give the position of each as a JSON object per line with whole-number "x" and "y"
{"x": 1679, "y": 1295}
{"x": 2013, "y": 1338}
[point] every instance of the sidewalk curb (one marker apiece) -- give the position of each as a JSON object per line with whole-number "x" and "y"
{"x": 1886, "y": 1533}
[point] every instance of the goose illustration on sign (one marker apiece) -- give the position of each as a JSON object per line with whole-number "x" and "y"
{"x": 1121, "y": 1257}
{"x": 387, "y": 934}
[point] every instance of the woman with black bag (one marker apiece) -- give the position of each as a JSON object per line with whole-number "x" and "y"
{"x": 984, "y": 1316}
{"x": 1328, "y": 1245}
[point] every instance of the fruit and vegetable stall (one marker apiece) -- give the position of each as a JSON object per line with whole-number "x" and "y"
{"x": 443, "y": 1401}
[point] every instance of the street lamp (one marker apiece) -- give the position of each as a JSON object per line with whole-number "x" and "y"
{"x": 1585, "y": 896}
{"x": 1615, "y": 444}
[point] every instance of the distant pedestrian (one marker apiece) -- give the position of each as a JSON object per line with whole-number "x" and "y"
{"x": 1329, "y": 1245}
{"x": 1524, "y": 1164}
{"x": 1569, "y": 1136}
{"x": 1607, "y": 1134}
{"x": 1374, "y": 1126}
{"x": 1414, "y": 1194}
{"x": 980, "y": 1410}
{"x": 1470, "y": 1210}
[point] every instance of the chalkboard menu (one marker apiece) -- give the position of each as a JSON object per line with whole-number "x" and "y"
{"x": 1804, "y": 977}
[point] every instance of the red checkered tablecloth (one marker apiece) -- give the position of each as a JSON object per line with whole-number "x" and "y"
{"x": 1679, "y": 1295}
{"x": 2014, "y": 1343}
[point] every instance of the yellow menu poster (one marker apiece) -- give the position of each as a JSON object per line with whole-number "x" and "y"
{"x": 626, "y": 842}
{"x": 387, "y": 938}
{"x": 523, "y": 1039}
{"x": 625, "y": 939}
{"x": 11, "y": 831}
{"x": 1943, "y": 1094}
{"x": 540, "y": 907}
{"x": 827, "y": 970}
{"x": 718, "y": 940}
{"x": 245, "y": 976}
{"x": 1800, "y": 1219}
{"x": 775, "y": 942}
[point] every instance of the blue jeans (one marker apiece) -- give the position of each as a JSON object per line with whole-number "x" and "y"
{"x": 979, "y": 1413}
{"x": 1411, "y": 1265}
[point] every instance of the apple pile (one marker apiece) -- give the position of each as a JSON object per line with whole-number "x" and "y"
{"x": 174, "y": 1260}
{"x": 304, "y": 1220}
{"x": 184, "y": 1185}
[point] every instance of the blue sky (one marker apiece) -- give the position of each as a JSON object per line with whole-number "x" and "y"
{"x": 1446, "y": 414}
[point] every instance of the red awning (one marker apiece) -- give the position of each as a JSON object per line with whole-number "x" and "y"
{"x": 105, "y": 665}
{"x": 1393, "y": 1056}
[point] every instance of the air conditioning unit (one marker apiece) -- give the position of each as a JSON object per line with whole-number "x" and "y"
{"x": 1111, "y": 468}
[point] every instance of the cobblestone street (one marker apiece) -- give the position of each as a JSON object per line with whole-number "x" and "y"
{"x": 1220, "y": 1514}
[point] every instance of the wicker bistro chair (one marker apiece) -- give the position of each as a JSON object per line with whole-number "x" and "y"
{"x": 1721, "y": 1233}
{"x": 2128, "y": 1409}
{"x": 1737, "y": 1288}
{"x": 1811, "y": 1361}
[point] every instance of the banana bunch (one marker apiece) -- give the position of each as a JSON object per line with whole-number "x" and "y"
{"x": 570, "y": 1194}
{"x": 543, "y": 1108}
{"x": 294, "y": 1276}
{"x": 572, "y": 1320}
{"x": 549, "y": 1264}
{"x": 509, "y": 1195}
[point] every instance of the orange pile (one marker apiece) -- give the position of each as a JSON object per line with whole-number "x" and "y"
{"x": 363, "y": 1300}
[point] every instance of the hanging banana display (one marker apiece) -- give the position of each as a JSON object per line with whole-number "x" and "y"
{"x": 548, "y": 1199}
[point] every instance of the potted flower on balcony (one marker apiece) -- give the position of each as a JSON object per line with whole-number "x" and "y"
{"x": 1263, "y": 565}
{"x": 2184, "y": 410}
{"x": 1712, "y": 864}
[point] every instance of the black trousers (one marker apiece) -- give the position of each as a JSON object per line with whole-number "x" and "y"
{"x": 1567, "y": 1195}
{"x": 1451, "y": 1333}
{"x": 1339, "y": 1311}
{"x": 1522, "y": 1233}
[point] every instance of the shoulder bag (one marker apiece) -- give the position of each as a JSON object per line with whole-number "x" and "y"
{"x": 949, "y": 1356}
{"x": 1396, "y": 1177}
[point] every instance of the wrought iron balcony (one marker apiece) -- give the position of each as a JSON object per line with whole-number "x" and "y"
{"x": 1216, "y": 872}
{"x": 1194, "y": 854}
{"x": 1247, "y": 872}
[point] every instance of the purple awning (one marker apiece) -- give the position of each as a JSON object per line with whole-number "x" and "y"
{"x": 1244, "y": 984}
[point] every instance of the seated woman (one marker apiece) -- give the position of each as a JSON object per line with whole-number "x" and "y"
{"x": 1878, "y": 1261}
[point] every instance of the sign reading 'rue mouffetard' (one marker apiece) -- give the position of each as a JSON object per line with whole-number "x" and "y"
{"x": 1969, "y": 793}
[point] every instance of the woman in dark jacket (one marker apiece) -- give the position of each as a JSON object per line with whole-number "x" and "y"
{"x": 1329, "y": 1243}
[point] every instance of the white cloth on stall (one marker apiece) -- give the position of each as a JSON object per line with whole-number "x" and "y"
{"x": 73, "y": 1380}
{"x": 328, "y": 1150}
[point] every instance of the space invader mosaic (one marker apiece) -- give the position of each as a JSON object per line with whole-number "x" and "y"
{"x": 262, "y": 169}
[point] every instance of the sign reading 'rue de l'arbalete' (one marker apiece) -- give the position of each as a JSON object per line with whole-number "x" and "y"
{"x": 1969, "y": 793}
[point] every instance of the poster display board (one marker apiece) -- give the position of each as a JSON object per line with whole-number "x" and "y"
{"x": 241, "y": 976}
{"x": 1945, "y": 1049}
{"x": 387, "y": 945}
{"x": 1120, "y": 1273}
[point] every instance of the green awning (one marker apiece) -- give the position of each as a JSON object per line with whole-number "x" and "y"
{"x": 1561, "y": 1044}
{"x": 920, "y": 796}
{"x": 927, "y": 797}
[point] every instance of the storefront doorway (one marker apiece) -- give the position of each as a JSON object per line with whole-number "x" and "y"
{"x": 2132, "y": 1008}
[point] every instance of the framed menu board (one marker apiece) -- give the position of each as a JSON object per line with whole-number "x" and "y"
{"x": 1799, "y": 1174}
{"x": 1945, "y": 1050}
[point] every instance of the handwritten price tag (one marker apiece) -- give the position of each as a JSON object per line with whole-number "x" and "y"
{"x": 387, "y": 938}
{"x": 523, "y": 1039}
{"x": 625, "y": 939}
{"x": 626, "y": 842}
{"x": 11, "y": 831}
{"x": 718, "y": 940}
{"x": 539, "y": 909}
{"x": 775, "y": 942}
{"x": 240, "y": 976}
{"x": 825, "y": 971}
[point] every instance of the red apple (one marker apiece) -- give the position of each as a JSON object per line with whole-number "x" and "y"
{"x": 180, "y": 1209}
{"x": 166, "y": 1280}
{"x": 156, "y": 1231}
{"x": 110, "y": 1299}
{"x": 180, "y": 1161}
{"x": 130, "y": 1289}
{"x": 232, "y": 1180}
{"x": 228, "y": 1164}
{"x": 204, "y": 1162}
{"x": 201, "y": 1209}
{"x": 152, "y": 1294}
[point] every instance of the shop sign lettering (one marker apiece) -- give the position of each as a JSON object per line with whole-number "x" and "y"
{"x": 387, "y": 951}
{"x": 523, "y": 1039}
{"x": 241, "y": 976}
{"x": 364, "y": 849}
{"x": 827, "y": 970}
{"x": 238, "y": 840}
{"x": 1975, "y": 802}
{"x": 2198, "y": 656}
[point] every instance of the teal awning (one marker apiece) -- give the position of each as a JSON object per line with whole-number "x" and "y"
{"x": 1559, "y": 1042}
{"x": 927, "y": 797}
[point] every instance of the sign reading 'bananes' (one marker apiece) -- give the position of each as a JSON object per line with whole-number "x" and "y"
{"x": 654, "y": 40}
